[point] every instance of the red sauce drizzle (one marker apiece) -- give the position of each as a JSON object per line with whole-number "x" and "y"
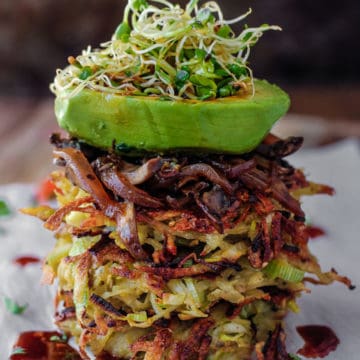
{"x": 319, "y": 340}
{"x": 26, "y": 260}
{"x": 38, "y": 346}
{"x": 314, "y": 231}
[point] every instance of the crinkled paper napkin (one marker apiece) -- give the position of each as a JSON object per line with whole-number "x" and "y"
{"x": 337, "y": 165}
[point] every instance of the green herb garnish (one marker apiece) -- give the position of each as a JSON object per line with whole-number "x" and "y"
{"x": 13, "y": 307}
{"x": 294, "y": 357}
{"x": 4, "y": 209}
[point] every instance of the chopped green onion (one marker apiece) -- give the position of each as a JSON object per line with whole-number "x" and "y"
{"x": 138, "y": 317}
{"x": 282, "y": 269}
{"x": 13, "y": 307}
{"x": 85, "y": 73}
{"x": 4, "y": 209}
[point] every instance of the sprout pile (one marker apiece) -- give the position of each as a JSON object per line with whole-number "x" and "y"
{"x": 168, "y": 52}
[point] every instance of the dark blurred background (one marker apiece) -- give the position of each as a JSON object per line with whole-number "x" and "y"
{"x": 319, "y": 44}
{"x": 315, "y": 59}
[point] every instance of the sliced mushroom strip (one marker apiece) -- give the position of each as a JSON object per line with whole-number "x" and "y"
{"x": 119, "y": 184}
{"x": 209, "y": 173}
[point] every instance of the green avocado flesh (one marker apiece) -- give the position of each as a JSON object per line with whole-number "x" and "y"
{"x": 227, "y": 125}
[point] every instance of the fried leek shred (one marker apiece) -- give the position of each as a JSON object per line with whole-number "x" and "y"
{"x": 190, "y": 257}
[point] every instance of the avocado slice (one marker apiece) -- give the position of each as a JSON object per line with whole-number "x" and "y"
{"x": 235, "y": 124}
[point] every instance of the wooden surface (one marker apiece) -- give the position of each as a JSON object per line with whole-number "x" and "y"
{"x": 26, "y": 124}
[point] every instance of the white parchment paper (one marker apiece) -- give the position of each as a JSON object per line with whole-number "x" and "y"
{"x": 336, "y": 165}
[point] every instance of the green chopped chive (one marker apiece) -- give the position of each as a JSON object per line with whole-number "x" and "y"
{"x": 282, "y": 269}
{"x": 13, "y": 307}
{"x": 18, "y": 350}
{"x": 4, "y": 209}
{"x": 85, "y": 73}
{"x": 123, "y": 32}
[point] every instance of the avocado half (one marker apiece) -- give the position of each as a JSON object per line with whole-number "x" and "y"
{"x": 235, "y": 124}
